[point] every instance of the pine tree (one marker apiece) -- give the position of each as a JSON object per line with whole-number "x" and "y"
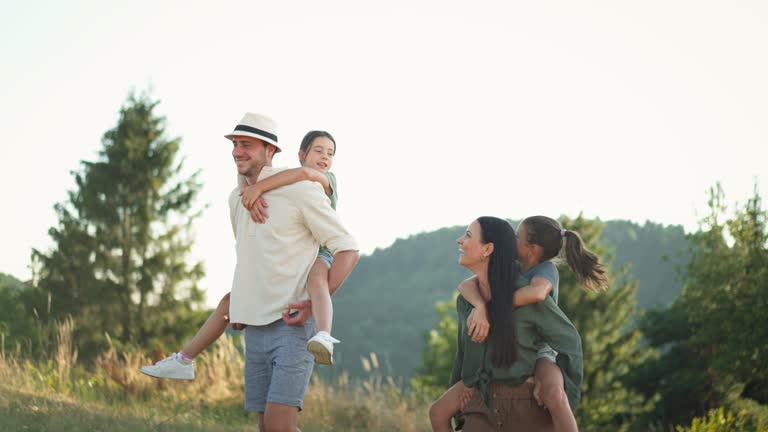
{"x": 119, "y": 263}
{"x": 610, "y": 339}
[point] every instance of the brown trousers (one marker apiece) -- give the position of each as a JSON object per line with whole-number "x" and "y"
{"x": 514, "y": 410}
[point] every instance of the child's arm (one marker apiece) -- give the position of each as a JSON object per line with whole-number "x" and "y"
{"x": 537, "y": 291}
{"x": 477, "y": 321}
{"x": 251, "y": 193}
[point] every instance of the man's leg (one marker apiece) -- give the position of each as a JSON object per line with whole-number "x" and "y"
{"x": 291, "y": 370}
{"x": 258, "y": 371}
{"x": 280, "y": 418}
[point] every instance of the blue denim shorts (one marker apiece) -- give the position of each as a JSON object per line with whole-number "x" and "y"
{"x": 277, "y": 364}
{"x": 325, "y": 254}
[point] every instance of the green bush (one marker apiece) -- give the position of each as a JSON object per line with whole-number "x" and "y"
{"x": 718, "y": 421}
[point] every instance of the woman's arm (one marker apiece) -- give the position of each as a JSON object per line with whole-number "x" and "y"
{"x": 535, "y": 292}
{"x": 251, "y": 193}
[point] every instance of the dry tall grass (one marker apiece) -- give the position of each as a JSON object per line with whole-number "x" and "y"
{"x": 117, "y": 387}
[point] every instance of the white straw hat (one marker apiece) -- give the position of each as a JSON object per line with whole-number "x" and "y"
{"x": 256, "y": 126}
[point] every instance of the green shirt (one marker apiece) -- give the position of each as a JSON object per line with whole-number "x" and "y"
{"x": 334, "y": 197}
{"x": 535, "y": 323}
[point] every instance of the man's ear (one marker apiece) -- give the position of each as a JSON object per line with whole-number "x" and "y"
{"x": 271, "y": 150}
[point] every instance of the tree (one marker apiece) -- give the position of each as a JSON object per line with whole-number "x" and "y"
{"x": 118, "y": 264}
{"x": 715, "y": 335}
{"x": 611, "y": 342}
{"x": 433, "y": 377}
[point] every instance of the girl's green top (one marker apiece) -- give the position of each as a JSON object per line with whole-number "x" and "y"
{"x": 334, "y": 197}
{"x": 541, "y": 322}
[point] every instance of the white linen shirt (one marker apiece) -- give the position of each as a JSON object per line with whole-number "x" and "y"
{"x": 274, "y": 258}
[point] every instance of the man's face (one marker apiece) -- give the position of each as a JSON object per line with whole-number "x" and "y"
{"x": 251, "y": 155}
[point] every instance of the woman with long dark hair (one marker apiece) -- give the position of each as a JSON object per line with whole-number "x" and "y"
{"x": 496, "y": 372}
{"x": 542, "y": 239}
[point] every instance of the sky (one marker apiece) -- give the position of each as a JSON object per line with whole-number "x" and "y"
{"x": 443, "y": 111}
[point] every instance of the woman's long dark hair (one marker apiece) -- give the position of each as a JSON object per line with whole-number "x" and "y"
{"x": 503, "y": 272}
{"x": 547, "y": 233}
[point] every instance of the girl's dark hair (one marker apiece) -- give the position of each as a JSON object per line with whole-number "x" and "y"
{"x": 547, "y": 233}
{"x": 311, "y": 135}
{"x": 503, "y": 272}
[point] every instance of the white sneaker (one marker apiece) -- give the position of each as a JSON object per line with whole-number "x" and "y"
{"x": 321, "y": 346}
{"x": 173, "y": 367}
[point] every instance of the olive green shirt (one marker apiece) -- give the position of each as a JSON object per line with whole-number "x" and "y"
{"x": 537, "y": 323}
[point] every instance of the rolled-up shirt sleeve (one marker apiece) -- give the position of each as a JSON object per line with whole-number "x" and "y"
{"x": 324, "y": 222}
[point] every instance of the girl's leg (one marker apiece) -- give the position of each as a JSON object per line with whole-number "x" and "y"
{"x": 321, "y": 344}
{"x": 549, "y": 378}
{"x": 322, "y": 306}
{"x": 448, "y": 405}
{"x": 210, "y": 331}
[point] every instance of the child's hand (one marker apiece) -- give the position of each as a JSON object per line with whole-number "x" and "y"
{"x": 254, "y": 202}
{"x": 478, "y": 325}
{"x": 536, "y": 391}
{"x": 249, "y": 195}
{"x": 466, "y": 396}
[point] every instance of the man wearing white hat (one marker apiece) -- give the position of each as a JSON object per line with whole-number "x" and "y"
{"x": 273, "y": 262}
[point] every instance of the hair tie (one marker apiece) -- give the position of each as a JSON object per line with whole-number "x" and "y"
{"x": 562, "y": 233}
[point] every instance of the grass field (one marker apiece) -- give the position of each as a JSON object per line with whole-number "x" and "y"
{"x": 59, "y": 394}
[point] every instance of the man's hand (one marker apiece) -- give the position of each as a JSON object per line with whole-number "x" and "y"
{"x": 305, "y": 313}
{"x": 477, "y": 325}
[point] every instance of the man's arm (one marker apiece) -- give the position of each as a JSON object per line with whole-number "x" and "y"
{"x": 343, "y": 263}
{"x": 325, "y": 225}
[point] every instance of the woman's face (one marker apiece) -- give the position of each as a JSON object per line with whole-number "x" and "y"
{"x": 524, "y": 248}
{"x": 471, "y": 248}
{"x": 319, "y": 155}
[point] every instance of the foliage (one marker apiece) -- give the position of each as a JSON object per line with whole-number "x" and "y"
{"x": 20, "y": 304}
{"x": 611, "y": 343}
{"x": 715, "y": 335}
{"x": 119, "y": 263}
{"x": 432, "y": 378}
{"x": 718, "y": 421}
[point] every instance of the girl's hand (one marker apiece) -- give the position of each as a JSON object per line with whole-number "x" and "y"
{"x": 466, "y": 396}
{"x": 252, "y": 200}
{"x": 478, "y": 325}
{"x": 249, "y": 194}
{"x": 258, "y": 211}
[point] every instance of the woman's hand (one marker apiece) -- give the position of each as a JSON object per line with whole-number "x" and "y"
{"x": 478, "y": 325}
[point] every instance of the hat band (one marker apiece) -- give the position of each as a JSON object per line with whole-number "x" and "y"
{"x": 257, "y": 131}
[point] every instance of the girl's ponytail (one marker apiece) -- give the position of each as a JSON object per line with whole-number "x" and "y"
{"x": 547, "y": 233}
{"x": 584, "y": 262}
